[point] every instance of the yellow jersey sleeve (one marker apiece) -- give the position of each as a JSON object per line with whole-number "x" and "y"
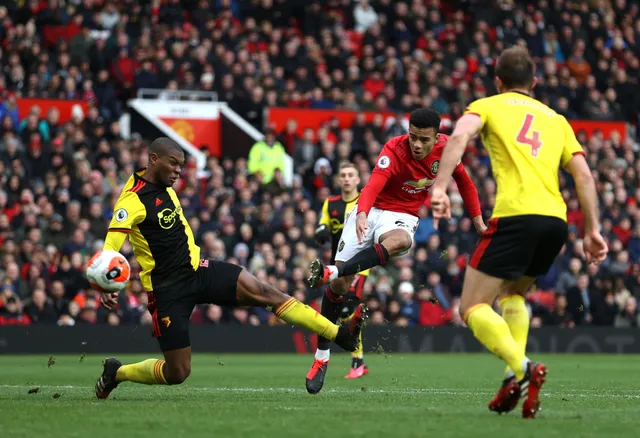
{"x": 571, "y": 145}
{"x": 325, "y": 218}
{"x": 114, "y": 241}
{"x": 128, "y": 212}
{"x": 479, "y": 108}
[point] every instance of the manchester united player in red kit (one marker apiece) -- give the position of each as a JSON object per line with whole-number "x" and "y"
{"x": 385, "y": 219}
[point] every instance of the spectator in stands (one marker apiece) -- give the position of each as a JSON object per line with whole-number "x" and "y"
{"x": 266, "y": 156}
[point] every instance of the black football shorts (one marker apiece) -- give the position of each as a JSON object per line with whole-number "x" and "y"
{"x": 519, "y": 245}
{"x": 171, "y": 306}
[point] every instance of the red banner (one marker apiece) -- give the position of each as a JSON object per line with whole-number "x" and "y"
{"x": 589, "y": 126}
{"x": 64, "y": 106}
{"x": 312, "y": 118}
{"x": 198, "y": 132}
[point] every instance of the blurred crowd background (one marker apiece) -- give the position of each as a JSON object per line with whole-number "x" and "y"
{"x": 59, "y": 181}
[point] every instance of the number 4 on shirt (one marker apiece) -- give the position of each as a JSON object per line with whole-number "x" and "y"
{"x": 534, "y": 140}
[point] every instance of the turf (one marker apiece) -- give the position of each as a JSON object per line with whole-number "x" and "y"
{"x": 263, "y": 396}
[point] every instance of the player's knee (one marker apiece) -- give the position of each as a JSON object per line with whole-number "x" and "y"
{"x": 340, "y": 286}
{"x": 398, "y": 243}
{"x": 268, "y": 295}
{"x": 178, "y": 373}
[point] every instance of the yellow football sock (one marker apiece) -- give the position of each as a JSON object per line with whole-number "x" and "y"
{"x": 493, "y": 332}
{"x": 515, "y": 314}
{"x": 148, "y": 371}
{"x": 357, "y": 354}
{"x": 294, "y": 312}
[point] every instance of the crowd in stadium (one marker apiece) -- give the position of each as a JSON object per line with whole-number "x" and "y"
{"x": 58, "y": 182}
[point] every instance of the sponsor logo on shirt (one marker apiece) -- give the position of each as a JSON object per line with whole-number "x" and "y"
{"x": 167, "y": 218}
{"x": 417, "y": 186}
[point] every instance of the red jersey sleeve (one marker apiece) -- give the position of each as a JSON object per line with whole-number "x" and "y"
{"x": 386, "y": 166}
{"x": 467, "y": 190}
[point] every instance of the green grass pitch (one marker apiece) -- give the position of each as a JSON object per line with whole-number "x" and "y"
{"x": 419, "y": 395}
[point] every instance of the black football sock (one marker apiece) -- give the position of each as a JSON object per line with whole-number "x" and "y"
{"x": 376, "y": 255}
{"x": 331, "y": 307}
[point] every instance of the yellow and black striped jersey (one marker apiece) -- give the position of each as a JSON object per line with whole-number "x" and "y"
{"x": 162, "y": 239}
{"x": 334, "y": 212}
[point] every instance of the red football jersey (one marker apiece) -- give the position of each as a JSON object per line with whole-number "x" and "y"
{"x": 409, "y": 180}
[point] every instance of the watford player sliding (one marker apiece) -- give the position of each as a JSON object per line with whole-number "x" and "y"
{"x": 528, "y": 143}
{"x": 383, "y": 222}
{"x": 334, "y": 212}
{"x": 176, "y": 279}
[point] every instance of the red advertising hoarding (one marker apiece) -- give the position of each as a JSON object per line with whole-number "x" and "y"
{"x": 312, "y": 118}
{"x": 64, "y": 106}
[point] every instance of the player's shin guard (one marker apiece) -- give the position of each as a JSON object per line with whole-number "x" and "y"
{"x": 515, "y": 314}
{"x": 149, "y": 372}
{"x": 493, "y": 332}
{"x": 294, "y": 312}
{"x": 376, "y": 255}
{"x": 331, "y": 307}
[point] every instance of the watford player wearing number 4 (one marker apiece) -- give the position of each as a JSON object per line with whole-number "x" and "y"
{"x": 527, "y": 143}
{"x": 385, "y": 219}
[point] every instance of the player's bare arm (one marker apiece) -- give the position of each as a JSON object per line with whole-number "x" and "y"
{"x": 595, "y": 247}
{"x": 469, "y": 194}
{"x": 467, "y": 127}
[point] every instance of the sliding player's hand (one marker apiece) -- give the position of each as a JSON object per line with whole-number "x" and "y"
{"x": 478, "y": 223}
{"x": 595, "y": 247}
{"x": 109, "y": 300}
{"x": 440, "y": 204}
{"x": 362, "y": 226}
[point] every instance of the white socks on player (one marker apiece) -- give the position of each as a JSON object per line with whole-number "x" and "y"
{"x": 334, "y": 272}
{"x": 323, "y": 355}
{"x": 525, "y": 366}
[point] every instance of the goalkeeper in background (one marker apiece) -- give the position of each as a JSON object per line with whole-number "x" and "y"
{"x": 334, "y": 212}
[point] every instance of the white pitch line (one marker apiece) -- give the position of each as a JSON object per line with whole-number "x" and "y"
{"x": 440, "y": 391}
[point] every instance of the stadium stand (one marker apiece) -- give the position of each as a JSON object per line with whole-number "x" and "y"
{"x": 59, "y": 181}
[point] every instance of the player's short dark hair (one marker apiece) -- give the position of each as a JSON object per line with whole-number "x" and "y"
{"x": 424, "y": 118}
{"x": 163, "y": 146}
{"x": 515, "y": 68}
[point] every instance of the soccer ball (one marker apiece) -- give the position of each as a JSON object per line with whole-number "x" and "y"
{"x": 108, "y": 271}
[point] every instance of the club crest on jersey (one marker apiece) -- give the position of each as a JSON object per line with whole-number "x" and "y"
{"x": 435, "y": 167}
{"x": 341, "y": 246}
{"x": 167, "y": 218}
{"x": 384, "y": 162}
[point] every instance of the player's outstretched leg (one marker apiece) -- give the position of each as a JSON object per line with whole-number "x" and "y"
{"x": 332, "y": 302}
{"x": 392, "y": 244}
{"x": 150, "y": 372}
{"x": 375, "y": 255}
{"x": 251, "y": 292}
